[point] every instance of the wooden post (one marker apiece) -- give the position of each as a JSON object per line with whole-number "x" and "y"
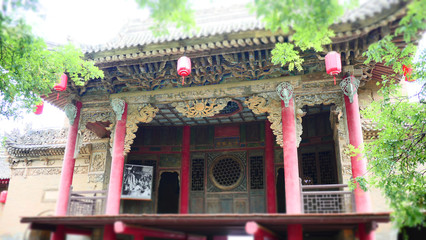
{"x": 291, "y": 163}
{"x": 73, "y": 113}
{"x": 117, "y": 165}
{"x": 359, "y": 164}
{"x": 184, "y": 189}
{"x": 271, "y": 195}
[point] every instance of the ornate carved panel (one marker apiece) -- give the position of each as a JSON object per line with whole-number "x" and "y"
{"x": 201, "y": 107}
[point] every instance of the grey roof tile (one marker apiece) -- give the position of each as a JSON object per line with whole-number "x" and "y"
{"x": 218, "y": 21}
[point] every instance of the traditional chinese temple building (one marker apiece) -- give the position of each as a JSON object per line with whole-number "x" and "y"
{"x": 242, "y": 147}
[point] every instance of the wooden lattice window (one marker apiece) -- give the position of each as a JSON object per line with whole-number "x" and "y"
{"x": 197, "y": 175}
{"x": 328, "y": 175}
{"x": 226, "y": 172}
{"x": 256, "y": 172}
{"x": 309, "y": 167}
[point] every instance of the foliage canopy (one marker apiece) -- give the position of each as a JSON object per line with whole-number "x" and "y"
{"x": 28, "y": 67}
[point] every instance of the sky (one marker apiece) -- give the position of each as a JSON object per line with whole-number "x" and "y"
{"x": 87, "y": 22}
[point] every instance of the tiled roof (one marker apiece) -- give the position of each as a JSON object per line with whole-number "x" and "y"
{"x": 4, "y": 165}
{"x": 37, "y": 142}
{"x": 220, "y": 21}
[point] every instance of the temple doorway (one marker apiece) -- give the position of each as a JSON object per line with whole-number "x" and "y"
{"x": 168, "y": 193}
{"x": 317, "y": 159}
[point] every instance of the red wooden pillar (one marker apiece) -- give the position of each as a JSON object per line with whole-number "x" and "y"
{"x": 73, "y": 113}
{"x": 271, "y": 198}
{"x": 291, "y": 163}
{"x": 69, "y": 160}
{"x": 359, "y": 163}
{"x": 117, "y": 165}
{"x": 184, "y": 189}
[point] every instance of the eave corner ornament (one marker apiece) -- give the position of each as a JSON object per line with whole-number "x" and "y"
{"x": 118, "y": 107}
{"x": 349, "y": 87}
{"x": 71, "y": 112}
{"x": 285, "y": 92}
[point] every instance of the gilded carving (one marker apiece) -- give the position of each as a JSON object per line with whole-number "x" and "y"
{"x": 136, "y": 114}
{"x": 98, "y": 162}
{"x": 201, "y": 107}
{"x": 260, "y": 105}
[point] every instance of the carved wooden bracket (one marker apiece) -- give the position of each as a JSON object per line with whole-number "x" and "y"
{"x": 135, "y": 114}
{"x": 260, "y": 105}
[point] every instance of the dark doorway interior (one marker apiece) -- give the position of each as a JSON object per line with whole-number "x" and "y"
{"x": 168, "y": 193}
{"x": 280, "y": 191}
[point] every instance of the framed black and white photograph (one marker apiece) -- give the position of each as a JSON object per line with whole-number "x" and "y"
{"x": 137, "y": 182}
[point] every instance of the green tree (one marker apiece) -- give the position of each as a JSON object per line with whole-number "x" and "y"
{"x": 28, "y": 67}
{"x": 397, "y": 156}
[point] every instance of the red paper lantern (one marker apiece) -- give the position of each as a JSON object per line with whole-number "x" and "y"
{"x": 3, "y": 196}
{"x": 184, "y": 67}
{"x": 407, "y": 70}
{"x": 39, "y": 108}
{"x": 62, "y": 85}
{"x": 333, "y": 64}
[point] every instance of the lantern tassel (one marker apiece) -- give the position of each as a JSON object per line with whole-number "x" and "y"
{"x": 334, "y": 80}
{"x": 57, "y": 97}
{"x": 183, "y": 80}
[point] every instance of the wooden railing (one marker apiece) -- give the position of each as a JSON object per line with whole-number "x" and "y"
{"x": 330, "y": 198}
{"x": 83, "y": 203}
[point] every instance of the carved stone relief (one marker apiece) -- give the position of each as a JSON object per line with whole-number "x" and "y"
{"x": 98, "y": 162}
{"x": 36, "y": 171}
{"x": 201, "y": 107}
{"x": 96, "y": 177}
{"x": 104, "y": 116}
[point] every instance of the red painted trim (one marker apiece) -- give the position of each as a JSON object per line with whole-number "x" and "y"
{"x": 122, "y": 228}
{"x": 291, "y": 164}
{"x": 59, "y": 234}
{"x": 359, "y": 164}
{"x": 117, "y": 166}
{"x": 363, "y": 234}
{"x": 294, "y": 232}
{"x": 68, "y": 166}
{"x": 259, "y": 232}
{"x": 184, "y": 186}
{"x": 271, "y": 199}
{"x": 109, "y": 233}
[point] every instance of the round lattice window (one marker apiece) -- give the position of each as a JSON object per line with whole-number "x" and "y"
{"x": 226, "y": 172}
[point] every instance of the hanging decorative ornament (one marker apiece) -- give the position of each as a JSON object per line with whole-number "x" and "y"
{"x": 184, "y": 67}
{"x": 39, "y": 108}
{"x": 62, "y": 85}
{"x": 333, "y": 64}
{"x": 407, "y": 70}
